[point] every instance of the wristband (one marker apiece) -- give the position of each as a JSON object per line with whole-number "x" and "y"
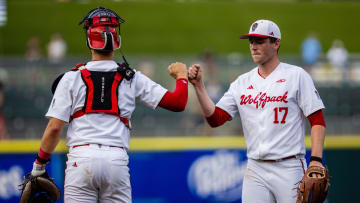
{"x": 315, "y": 158}
{"x": 43, "y": 157}
{"x": 42, "y": 161}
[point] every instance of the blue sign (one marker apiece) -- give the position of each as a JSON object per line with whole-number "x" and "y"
{"x": 14, "y": 167}
{"x": 156, "y": 176}
{"x": 187, "y": 176}
{"x": 218, "y": 176}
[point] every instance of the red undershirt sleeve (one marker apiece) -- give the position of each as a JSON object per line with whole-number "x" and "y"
{"x": 176, "y": 100}
{"x": 218, "y": 118}
{"x": 317, "y": 118}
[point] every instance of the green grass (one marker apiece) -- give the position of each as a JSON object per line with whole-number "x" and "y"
{"x": 172, "y": 27}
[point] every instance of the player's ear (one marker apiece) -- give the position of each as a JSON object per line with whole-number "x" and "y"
{"x": 277, "y": 45}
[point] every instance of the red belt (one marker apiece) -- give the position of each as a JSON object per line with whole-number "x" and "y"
{"x": 89, "y": 145}
{"x": 286, "y": 158}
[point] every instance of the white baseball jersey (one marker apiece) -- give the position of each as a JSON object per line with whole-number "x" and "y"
{"x": 101, "y": 128}
{"x": 273, "y": 110}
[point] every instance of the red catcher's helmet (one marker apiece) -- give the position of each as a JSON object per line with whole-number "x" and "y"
{"x": 100, "y": 29}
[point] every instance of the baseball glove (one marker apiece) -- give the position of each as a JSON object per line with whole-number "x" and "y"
{"x": 39, "y": 189}
{"x": 313, "y": 189}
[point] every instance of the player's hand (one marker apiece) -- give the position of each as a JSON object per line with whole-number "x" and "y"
{"x": 38, "y": 169}
{"x": 195, "y": 74}
{"x": 178, "y": 70}
{"x": 315, "y": 163}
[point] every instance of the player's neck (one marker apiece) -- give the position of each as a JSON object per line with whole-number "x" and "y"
{"x": 267, "y": 68}
{"x": 95, "y": 56}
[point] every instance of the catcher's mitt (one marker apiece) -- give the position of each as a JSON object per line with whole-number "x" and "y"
{"x": 314, "y": 189}
{"x": 39, "y": 189}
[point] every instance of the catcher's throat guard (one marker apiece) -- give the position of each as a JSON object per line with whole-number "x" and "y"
{"x": 100, "y": 29}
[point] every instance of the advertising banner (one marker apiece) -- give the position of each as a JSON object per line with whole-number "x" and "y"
{"x": 188, "y": 176}
{"x": 13, "y": 168}
{"x": 180, "y": 173}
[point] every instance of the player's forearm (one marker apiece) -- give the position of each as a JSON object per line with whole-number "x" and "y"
{"x": 207, "y": 105}
{"x": 52, "y": 135}
{"x": 176, "y": 100}
{"x": 317, "y": 140}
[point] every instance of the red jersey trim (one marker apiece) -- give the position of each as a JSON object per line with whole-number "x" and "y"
{"x": 317, "y": 118}
{"x": 218, "y": 118}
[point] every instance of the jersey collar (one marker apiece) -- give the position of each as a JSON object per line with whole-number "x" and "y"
{"x": 103, "y": 65}
{"x": 266, "y": 81}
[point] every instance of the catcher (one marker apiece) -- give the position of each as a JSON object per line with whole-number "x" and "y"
{"x": 97, "y": 100}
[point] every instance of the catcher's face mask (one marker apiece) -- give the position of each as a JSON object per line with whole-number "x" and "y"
{"x": 100, "y": 28}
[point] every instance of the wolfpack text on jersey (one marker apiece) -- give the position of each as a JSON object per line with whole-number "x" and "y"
{"x": 273, "y": 110}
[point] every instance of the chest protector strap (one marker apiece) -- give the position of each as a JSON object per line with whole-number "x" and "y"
{"x": 101, "y": 94}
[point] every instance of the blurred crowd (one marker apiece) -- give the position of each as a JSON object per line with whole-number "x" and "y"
{"x": 335, "y": 67}
{"x": 331, "y": 65}
{"x": 56, "y": 49}
{"x": 22, "y": 109}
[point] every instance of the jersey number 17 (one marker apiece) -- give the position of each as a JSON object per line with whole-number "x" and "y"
{"x": 278, "y": 110}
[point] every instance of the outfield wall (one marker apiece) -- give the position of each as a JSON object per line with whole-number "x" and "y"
{"x": 184, "y": 169}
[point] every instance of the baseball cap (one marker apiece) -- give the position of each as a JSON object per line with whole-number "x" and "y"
{"x": 263, "y": 28}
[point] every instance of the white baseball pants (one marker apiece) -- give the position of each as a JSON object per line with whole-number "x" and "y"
{"x": 97, "y": 173}
{"x": 272, "y": 182}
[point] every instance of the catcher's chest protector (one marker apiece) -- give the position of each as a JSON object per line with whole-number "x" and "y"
{"x": 101, "y": 91}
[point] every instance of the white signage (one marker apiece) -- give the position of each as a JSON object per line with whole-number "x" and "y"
{"x": 217, "y": 177}
{"x": 10, "y": 181}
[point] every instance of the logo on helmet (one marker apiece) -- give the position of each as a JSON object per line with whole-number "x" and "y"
{"x": 254, "y": 26}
